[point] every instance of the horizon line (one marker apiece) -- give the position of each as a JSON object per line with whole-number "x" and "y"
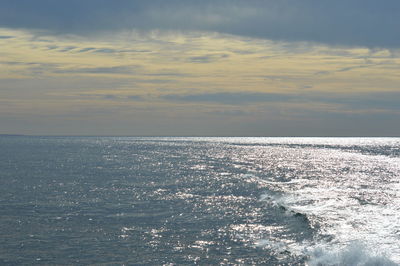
{"x": 191, "y": 136}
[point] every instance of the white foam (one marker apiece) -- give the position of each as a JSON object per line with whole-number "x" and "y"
{"x": 341, "y": 229}
{"x": 325, "y": 254}
{"x": 355, "y": 254}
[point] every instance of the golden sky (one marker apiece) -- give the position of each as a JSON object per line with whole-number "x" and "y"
{"x": 193, "y": 82}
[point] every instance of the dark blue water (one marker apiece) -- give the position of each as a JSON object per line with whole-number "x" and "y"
{"x": 184, "y": 201}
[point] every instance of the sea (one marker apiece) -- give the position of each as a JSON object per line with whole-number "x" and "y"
{"x": 199, "y": 201}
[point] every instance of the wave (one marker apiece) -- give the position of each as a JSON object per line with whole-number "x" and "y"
{"x": 280, "y": 202}
{"x": 323, "y": 249}
{"x": 354, "y": 254}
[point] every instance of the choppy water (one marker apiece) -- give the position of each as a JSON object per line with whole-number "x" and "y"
{"x": 155, "y": 201}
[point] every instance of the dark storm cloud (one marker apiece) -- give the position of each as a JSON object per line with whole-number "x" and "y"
{"x": 370, "y": 23}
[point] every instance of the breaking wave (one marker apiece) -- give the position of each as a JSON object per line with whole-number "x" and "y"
{"x": 354, "y": 254}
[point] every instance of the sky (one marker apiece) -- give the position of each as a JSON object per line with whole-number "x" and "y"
{"x": 200, "y": 68}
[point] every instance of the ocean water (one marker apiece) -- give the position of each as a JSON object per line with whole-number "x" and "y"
{"x": 206, "y": 201}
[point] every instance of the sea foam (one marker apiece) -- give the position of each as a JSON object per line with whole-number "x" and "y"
{"x": 355, "y": 254}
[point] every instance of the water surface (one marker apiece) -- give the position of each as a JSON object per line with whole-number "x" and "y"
{"x": 154, "y": 201}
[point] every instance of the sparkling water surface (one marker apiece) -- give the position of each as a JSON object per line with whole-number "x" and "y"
{"x": 185, "y": 201}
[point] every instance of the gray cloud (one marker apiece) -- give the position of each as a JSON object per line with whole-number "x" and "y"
{"x": 200, "y": 59}
{"x": 6, "y": 37}
{"x": 113, "y": 97}
{"x": 18, "y": 63}
{"x": 109, "y": 50}
{"x": 350, "y": 68}
{"x": 169, "y": 74}
{"x": 36, "y": 68}
{"x": 370, "y": 23}
{"x": 134, "y": 97}
{"x": 87, "y": 49}
{"x": 68, "y": 48}
{"x": 375, "y": 100}
{"x": 207, "y": 58}
{"x": 110, "y": 97}
{"x": 52, "y": 47}
{"x": 366, "y": 101}
{"x": 229, "y": 97}
{"x": 106, "y": 50}
{"x": 99, "y": 70}
{"x": 112, "y": 51}
{"x": 229, "y": 113}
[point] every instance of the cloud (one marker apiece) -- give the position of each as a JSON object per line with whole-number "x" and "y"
{"x": 229, "y": 113}
{"x": 109, "y": 50}
{"x": 169, "y": 74}
{"x": 229, "y": 97}
{"x": 383, "y": 101}
{"x": 18, "y": 63}
{"x": 367, "y": 64}
{"x": 87, "y": 49}
{"x": 99, "y": 70}
{"x": 36, "y": 68}
{"x": 52, "y": 47}
{"x": 207, "y": 58}
{"x": 370, "y": 23}
{"x": 200, "y": 59}
{"x": 112, "y": 97}
{"x": 106, "y": 50}
{"x": 375, "y": 100}
{"x": 134, "y": 97}
{"x": 6, "y": 37}
{"x": 67, "y": 49}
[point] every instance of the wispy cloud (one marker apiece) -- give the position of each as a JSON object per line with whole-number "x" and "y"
{"x": 114, "y": 51}
{"x": 87, "y": 49}
{"x": 52, "y": 47}
{"x": 169, "y": 74}
{"x": 353, "y": 67}
{"x": 67, "y": 49}
{"x": 108, "y": 50}
{"x": 105, "y": 50}
{"x": 113, "y": 97}
{"x": 207, "y": 58}
{"x": 99, "y": 70}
